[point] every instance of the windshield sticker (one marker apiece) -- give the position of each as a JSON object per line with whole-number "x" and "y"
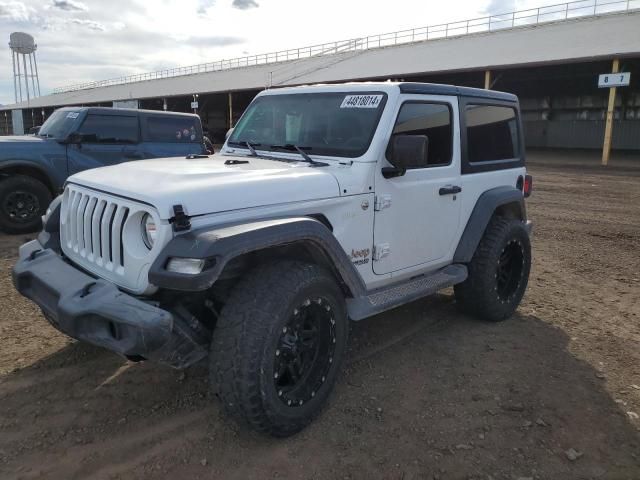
{"x": 361, "y": 101}
{"x": 73, "y": 114}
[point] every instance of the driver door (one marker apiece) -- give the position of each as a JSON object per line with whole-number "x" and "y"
{"x": 417, "y": 214}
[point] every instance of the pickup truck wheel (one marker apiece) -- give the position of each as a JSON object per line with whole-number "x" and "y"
{"x": 278, "y": 346}
{"x": 22, "y": 202}
{"x": 498, "y": 272}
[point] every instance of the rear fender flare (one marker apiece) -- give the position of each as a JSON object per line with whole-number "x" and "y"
{"x": 508, "y": 199}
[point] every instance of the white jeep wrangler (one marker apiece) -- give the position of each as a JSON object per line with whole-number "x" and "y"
{"x": 327, "y": 203}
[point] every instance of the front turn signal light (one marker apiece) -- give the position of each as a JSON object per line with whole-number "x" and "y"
{"x": 187, "y": 266}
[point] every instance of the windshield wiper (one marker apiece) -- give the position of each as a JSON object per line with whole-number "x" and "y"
{"x": 251, "y": 149}
{"x": 249, "y": 145}
{"x": 301, "y": 150}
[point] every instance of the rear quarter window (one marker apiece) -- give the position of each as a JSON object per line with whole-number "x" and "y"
{"x": 172, "y": 129}
{"x": 492, "y": 133}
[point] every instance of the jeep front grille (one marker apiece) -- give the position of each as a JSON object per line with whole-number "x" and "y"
{"x": 94, "y": 228}
{"x": 102, "y": 233}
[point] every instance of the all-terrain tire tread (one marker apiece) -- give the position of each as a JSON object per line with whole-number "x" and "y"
{"x": 243, "y": 323}
{"x": 475, "y": 296}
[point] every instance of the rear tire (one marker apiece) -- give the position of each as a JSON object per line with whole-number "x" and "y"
{"x": 498, "y": 272}
{"x": 278, "y": 346}
{"x": 23, "y": 200}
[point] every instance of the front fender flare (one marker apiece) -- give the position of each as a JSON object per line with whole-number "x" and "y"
{"x": 221, "y": 244}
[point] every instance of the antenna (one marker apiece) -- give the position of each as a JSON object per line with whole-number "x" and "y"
{"x": 23, "y": 46}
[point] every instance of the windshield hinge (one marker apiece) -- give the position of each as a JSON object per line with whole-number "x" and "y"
{"x": 180, "y": 220}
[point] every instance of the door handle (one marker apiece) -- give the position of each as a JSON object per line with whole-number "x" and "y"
{"x": 450, "y": 190}
{"x": 134, "y": 156}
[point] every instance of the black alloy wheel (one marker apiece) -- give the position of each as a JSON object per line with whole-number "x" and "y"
{"x": 23, "y": 200}
{"x": 305, "y": 352}
{"x": 21, "y": 206}
{"x": 278, "y": 346}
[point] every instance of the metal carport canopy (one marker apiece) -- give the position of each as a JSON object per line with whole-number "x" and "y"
{"x": 567, "y": 41}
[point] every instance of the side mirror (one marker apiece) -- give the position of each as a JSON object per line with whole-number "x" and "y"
{"x": 407, "y": 151}
{"x": 34, "y": 130}
{"x": 74, "y": 138}
{"x": 228, "y": 134}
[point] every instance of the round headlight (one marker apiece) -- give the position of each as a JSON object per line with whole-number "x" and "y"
{"x": 148, "y": 230}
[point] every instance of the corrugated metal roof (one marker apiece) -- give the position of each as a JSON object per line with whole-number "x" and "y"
{"x": 568, "y": 41}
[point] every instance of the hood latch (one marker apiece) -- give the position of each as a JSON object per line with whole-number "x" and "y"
{"x": 180, "y": 220}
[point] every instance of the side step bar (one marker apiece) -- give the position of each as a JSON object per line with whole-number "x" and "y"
{"x": 386, "y": 298}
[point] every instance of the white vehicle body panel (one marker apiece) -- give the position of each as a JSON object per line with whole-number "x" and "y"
{"x": 352, "y": 224}
{"x": 206, "y": 185}
{"x": 421, "y": 227}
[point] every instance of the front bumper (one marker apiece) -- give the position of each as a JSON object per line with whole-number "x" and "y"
{"x": 96, "y": 311}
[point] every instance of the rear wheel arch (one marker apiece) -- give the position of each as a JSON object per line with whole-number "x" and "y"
{"x": 507, "y": 202}
{"x": 511, "y": 210}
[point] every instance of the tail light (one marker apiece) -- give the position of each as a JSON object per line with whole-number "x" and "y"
{"x": 527, "y": 188}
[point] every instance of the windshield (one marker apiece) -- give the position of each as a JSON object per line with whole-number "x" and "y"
{"x": 332, "y": 124}
{"x": 58, "y": 124}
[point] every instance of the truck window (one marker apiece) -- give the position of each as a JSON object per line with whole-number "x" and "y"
{"x": 432, "y": 120}
{"x": 492, "y": 133}
{"x": 58, "y": 124}
{"x": 172, "y": 129}
{"x": 109, "y": 129}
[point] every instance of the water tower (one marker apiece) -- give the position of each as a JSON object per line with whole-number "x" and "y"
{"x": 23, "y": 46}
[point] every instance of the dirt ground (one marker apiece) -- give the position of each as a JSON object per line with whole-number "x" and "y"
{"x": 427, "y": 393}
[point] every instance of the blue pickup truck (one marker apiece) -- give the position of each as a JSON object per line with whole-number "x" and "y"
{"x": 33, "y": 169}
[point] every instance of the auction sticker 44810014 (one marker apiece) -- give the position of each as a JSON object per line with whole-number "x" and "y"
{"x": 361, "y": 101}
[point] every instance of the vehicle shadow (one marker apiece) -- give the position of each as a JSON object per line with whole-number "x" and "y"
{"x": 425, "y": 393}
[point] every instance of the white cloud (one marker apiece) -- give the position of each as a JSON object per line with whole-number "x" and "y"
{"x": 204, "y": 5}
{"x": 69, "y": 5}
{"x": 92, "y": 24}
{"x": 245, "y": 4}
{"x": 497, "y": 7}
{"x": 15, "y": 12}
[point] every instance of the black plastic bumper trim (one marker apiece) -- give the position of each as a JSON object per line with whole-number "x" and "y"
{"x": 96, "y": 311}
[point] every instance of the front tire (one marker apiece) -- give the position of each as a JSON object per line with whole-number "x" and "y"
{"x": 278, "y": 346}
{"x": 498, "y": 272}
{"x": 23, "y": 200}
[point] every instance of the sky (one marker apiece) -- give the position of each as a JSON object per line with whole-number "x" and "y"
{"x": 87, "y": 40}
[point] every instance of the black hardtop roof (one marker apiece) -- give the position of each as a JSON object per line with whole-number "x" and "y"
{"x": 441, "y": 89}
{"x": 116, "y": 111}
